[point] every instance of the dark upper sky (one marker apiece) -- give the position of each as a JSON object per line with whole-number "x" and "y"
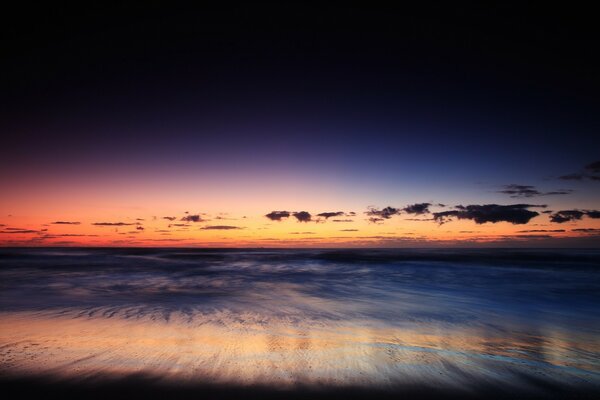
{"x": 395, "y": 96}
{"x": 300, "y": 77}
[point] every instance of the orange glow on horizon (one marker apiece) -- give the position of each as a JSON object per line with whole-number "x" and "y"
{"x": 215, "y": 229}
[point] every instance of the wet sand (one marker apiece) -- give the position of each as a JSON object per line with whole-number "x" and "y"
{"x": 297, "y": 324}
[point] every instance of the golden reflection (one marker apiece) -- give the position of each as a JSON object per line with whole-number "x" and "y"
{"x": 277, "y": 352}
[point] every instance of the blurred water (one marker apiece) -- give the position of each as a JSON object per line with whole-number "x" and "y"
{"x": 374, "y": 318}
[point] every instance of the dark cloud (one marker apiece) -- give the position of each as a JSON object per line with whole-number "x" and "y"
{"x": 331, "y": 214}
{"x": 221, "y": 227}
{"x": 111, "y": 224}
{"x": 170, "y": 218}
{"x": 516, "y": 191}
{"x": 386, "y": 213}
{"x": 302, "y": 233}
{"x": 417, "y": 209}
{"x": 566, "y": 216}
{"x": 595, "y": 214}
{"x": 17, "y": 231}
{"x": 192, "y": 218}
{"x": 527, "y": 236}
{"x": 278, "y": 215}
{"x": 558, "y": 192}
{"x": 562, "y": 216}
{"x": 139, "y": 228}
{"x": 591, "y": 171}
{"x": 520, "y": 191}
{"x": 572, "y": 177}
{"x": 514, "y": 213}
{"x": 593, "y": 168}
{"x": 178, "y": 225}
{"x": 375, "y": 220}
{"x": 381, "y": 237}
{"x": 342, "y": 220}
{"x": 593, "y": 230}
{"x": 303, "y": 216}
{"x": 348, "y": 230}
{"x": 65, "y": 223}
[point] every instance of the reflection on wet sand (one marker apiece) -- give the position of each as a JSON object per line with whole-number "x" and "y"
{"x": 289, "y": 319}
{"x": 275, "y": 353}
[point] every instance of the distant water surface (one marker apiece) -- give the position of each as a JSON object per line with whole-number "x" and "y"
{"x": 527, "y": 320}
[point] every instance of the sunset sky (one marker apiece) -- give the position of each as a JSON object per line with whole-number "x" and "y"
{"x": 238, "y": 127}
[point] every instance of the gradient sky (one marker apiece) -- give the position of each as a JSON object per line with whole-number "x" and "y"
{"x": 113, "y": 119}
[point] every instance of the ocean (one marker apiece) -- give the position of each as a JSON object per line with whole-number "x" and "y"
{"x": 236, "y": 322}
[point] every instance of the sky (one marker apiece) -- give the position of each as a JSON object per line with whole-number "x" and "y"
{"x": 237, "y": 126}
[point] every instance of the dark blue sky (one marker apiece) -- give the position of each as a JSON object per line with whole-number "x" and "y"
{"x": 435, "y": 99}
{"x": 457, "y": 85}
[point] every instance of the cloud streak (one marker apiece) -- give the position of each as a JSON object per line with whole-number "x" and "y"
{"x": 586, "y": 230}
{"x": 221, "y": 227}
{"x": 517, "y": 191}
{"x": 590, "y": 172}
{"x": 330, "y": 214}
{"x": 541, "y": 230}
{"x": 111, "y": 224}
